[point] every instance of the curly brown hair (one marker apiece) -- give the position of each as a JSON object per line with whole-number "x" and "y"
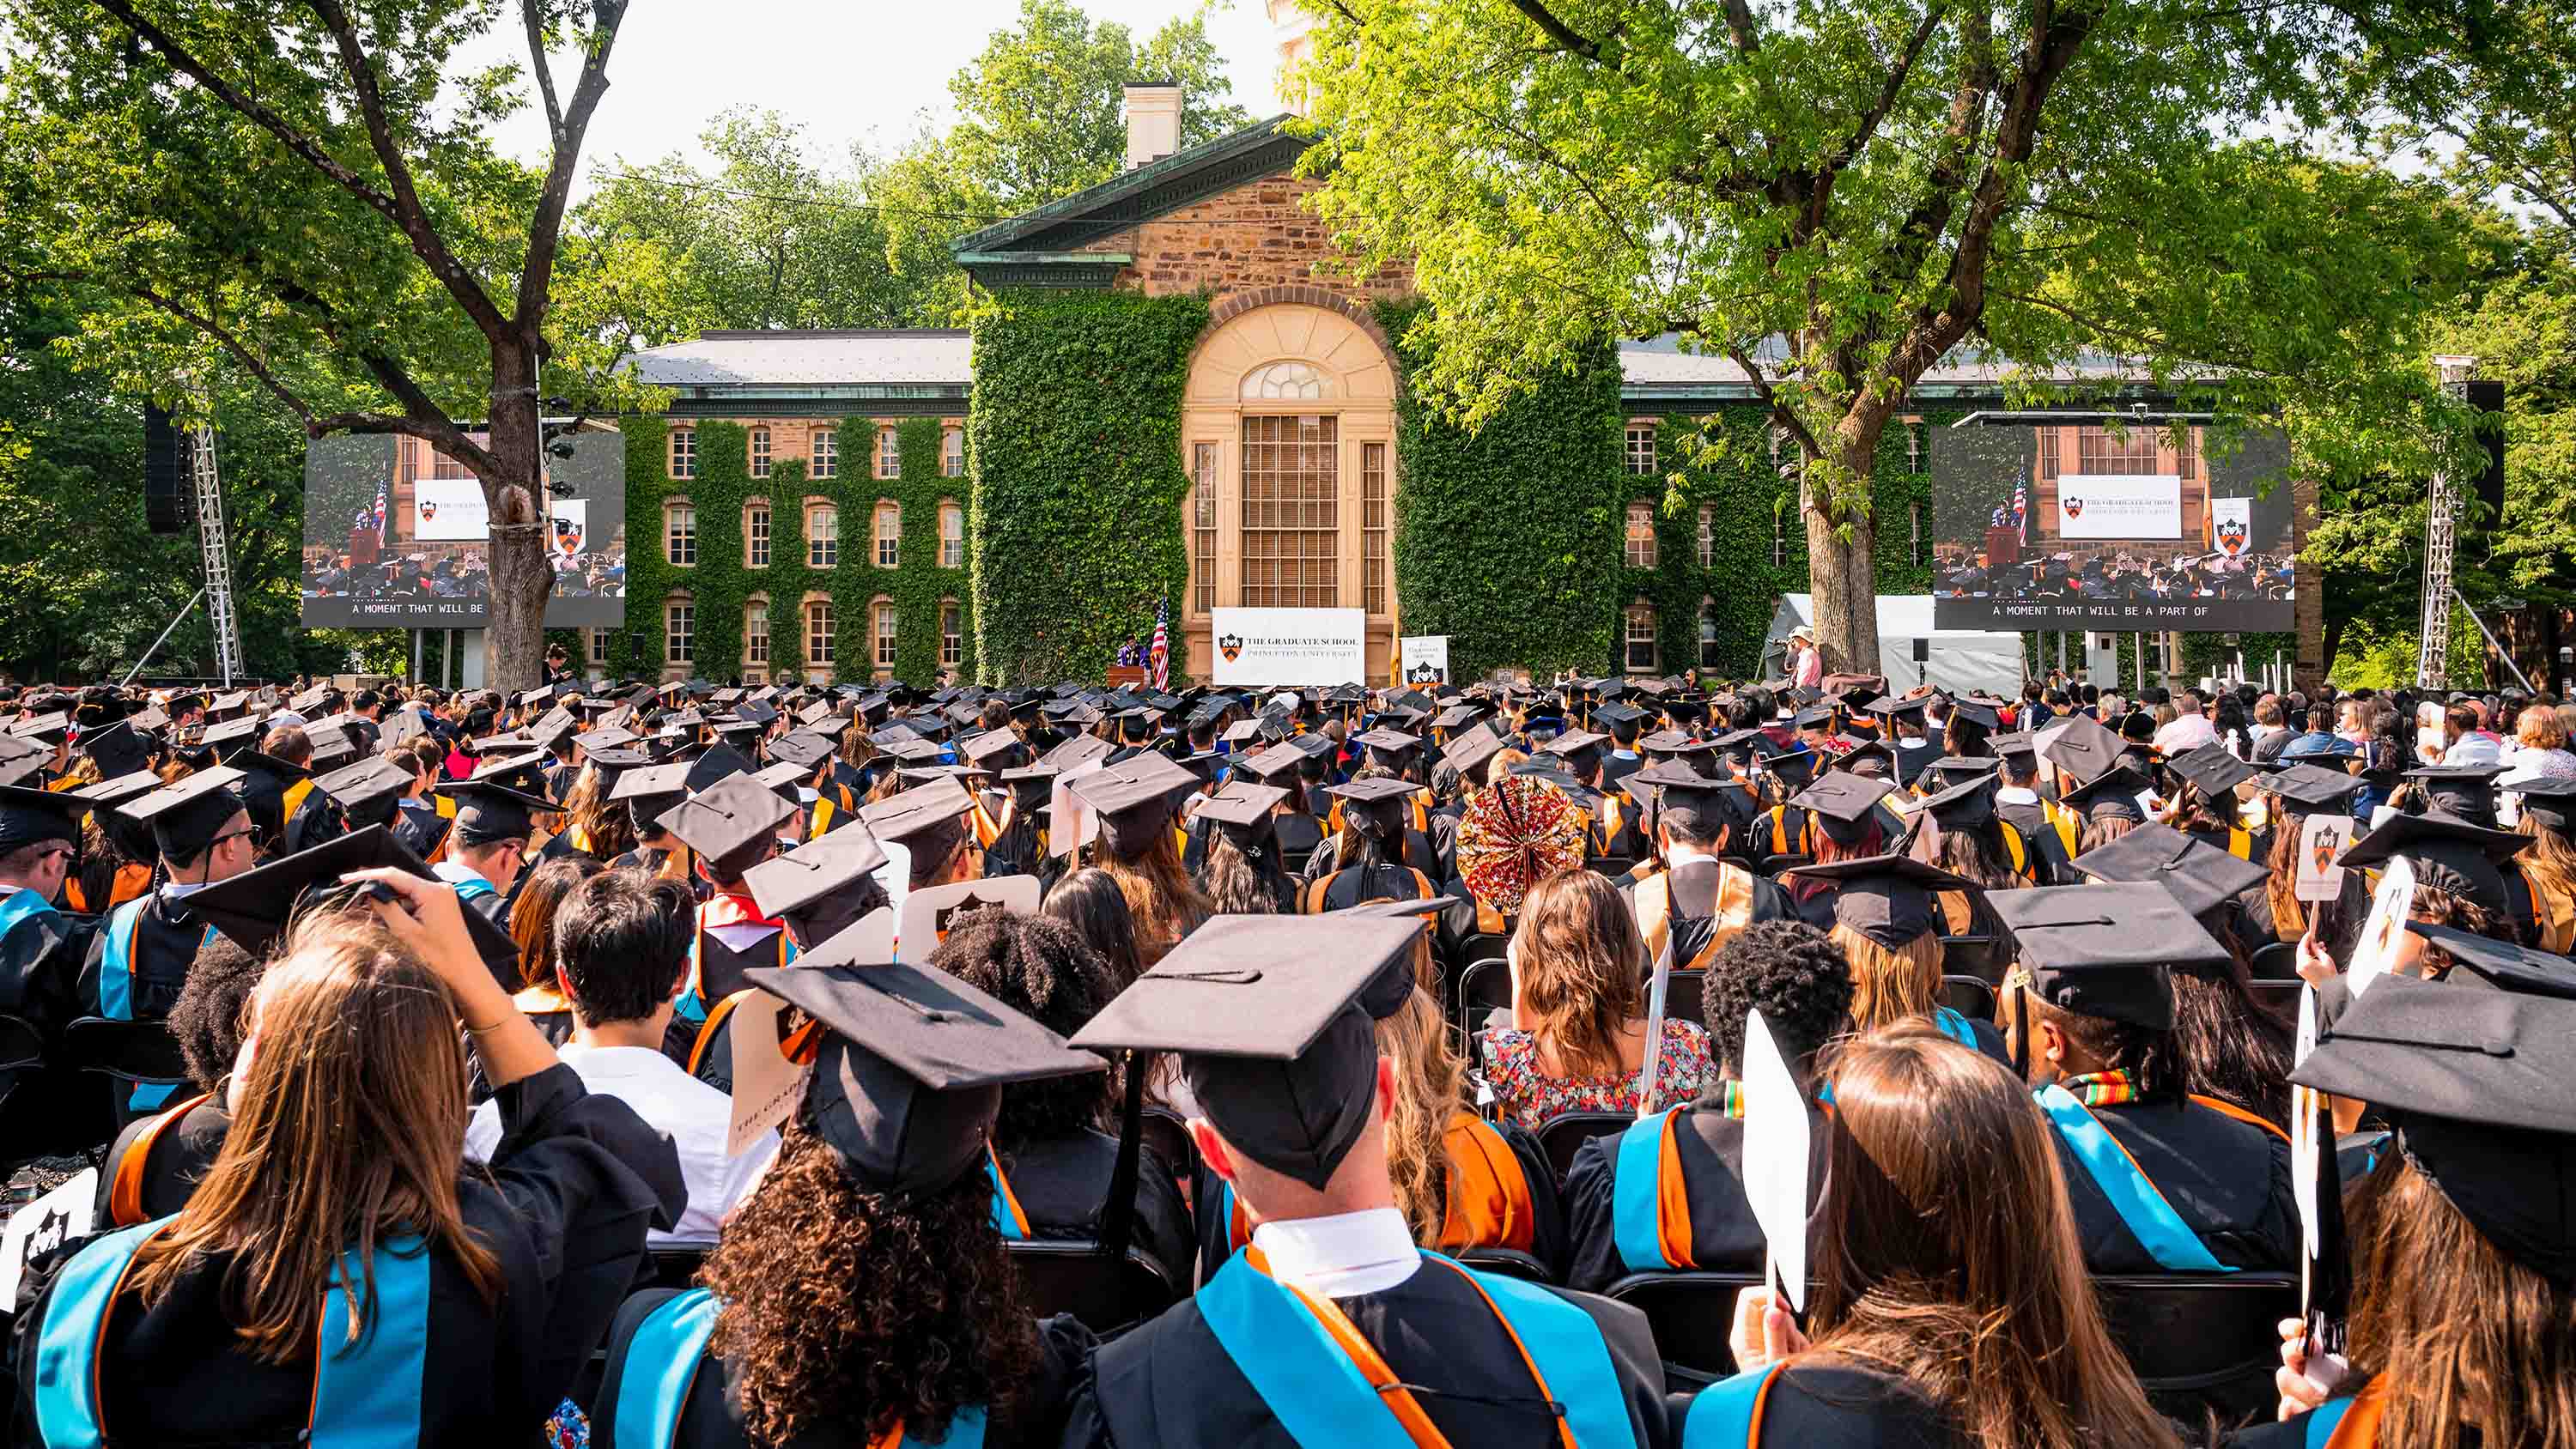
{"x": 1043, "y": 967}
{"x": 849, "y": 1308}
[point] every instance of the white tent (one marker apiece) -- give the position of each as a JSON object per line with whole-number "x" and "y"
{"x": 1959, "y": 660}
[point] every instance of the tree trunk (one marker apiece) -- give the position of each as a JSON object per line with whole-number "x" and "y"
{"x": 522, "y": 570}
{"x": 1842, "y": 572}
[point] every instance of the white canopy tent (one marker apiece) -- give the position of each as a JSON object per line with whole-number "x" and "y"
{"x": 1959, "y": 660}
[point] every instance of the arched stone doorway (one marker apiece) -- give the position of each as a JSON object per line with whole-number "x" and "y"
{"x": 1288, "y": 435}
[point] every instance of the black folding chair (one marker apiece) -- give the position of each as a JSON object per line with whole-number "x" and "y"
{"x": 22, "y": 1051}
{"x": 1169, "y": 1137}
{"x": 1682, "y": 993}
{"x": 1772, "y": 865}
{"x": 2278, "y": 961}
{"x": 1074, "y": 1276}
{"x": 1482, "y": 987}
{"x": 2202, "y": 1342}
{"x": 677, "y": 1266}
{"x": 2279, "y": 996}
{"x": 1564, "y": 1134}
{"x": 1691, "y": 1314}
{"x": 1969, "y": 996}
{"x": 1614, "y": 866}
{"x": 1510, "y": 1262}
{"x": 139, "y": 1059}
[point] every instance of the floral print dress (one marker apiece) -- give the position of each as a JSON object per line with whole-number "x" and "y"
{"x": 1524, "y": 1093}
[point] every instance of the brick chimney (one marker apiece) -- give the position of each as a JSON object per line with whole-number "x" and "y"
{"x": 1153, "y": 121}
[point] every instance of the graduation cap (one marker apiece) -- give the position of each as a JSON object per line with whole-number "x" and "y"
{"x": 51, "y": 728}
{"x": 255, "y": 907}
{"x": 487, "y": 810}
{"x": 1892, "y": 710}
{"x": 1374, "y": 806}
{"x": 1394, "y": 745}
{"x": 801, "y": 747}
{"x": 185, "y": 815}
{"x": 2448, "y": 853}
{"x": 816, "y": 884}
{"x": 2212, "y": 769}
{"x": 1271, "y": 763}
{"x": 1242, "y": 804}
{"x": 2546, "y": 799}
{"x": 1133, "y": 799}
{"x": 1967, "y": 804}
{"x": 2474, "y": 1083}
{"x": 2313, "y": 790}
{"x": 403, "y": 725}
{"x": 718, "y": 761}
{"x": 1573, "y": 743}
{"x": 1264, "y": 1012}
{"x": 909, "y": 1070}
{"x": 2467, "y": 791}
{"x": 2084, "y": 749}
{"x": 2112, "y": 794}
{"x": 2107, "y": 951}
{"x": 2503, "y": 965}
{"x": 1457, "y": 716}
{"x": 1891, "y": 899}
{"x": 988, "y": 745}
{"x": 729, "y": 822}
{"x": 1842, "y": 804}
{"x": 1619, "y": 716}
{"x": 1073, "y": 754}
{"x": 368, "y": 791}
{"x": 921, "y": 811}
{"x": 1471, "y": 748}
{"x": 2201, "y": 876}
{"x": 30, "y": 816}
{"x": 119, "y": 748}
{"x": 231, "y": 737}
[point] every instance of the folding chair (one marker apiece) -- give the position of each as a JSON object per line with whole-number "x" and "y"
{"x": 1510, "y": 1262}
{"x": 139, "y": 1059}
{"x": 1074, "y": 1276}
{"x": 2201, "y": 1342}
{"x": 1691, "y": 1314}
{"x": 1969, "y": 996}
{"x": 1564, "y": 1134}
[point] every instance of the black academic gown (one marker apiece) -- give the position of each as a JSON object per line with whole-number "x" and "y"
{"x": 165, "y": 1163}
{"x": 1171, "y": 1383}
{"x": 166, "y": 937}
{"x": 420, "y": 829}
{"x": 2229, "y": 1181}
{"x": 1833, "y": 1404}
{"x": 40, "y": 967}
{"x": 1618, "y": 765}
{"x": 570, "y": 1192}
{"x": 1724, "y": 1236}
{"x": 1062, "y": 1185}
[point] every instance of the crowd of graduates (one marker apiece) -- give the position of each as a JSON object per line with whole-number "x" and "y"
{"x": 682, "y": 1064}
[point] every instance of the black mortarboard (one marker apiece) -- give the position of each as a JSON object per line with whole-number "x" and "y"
{"x": 1618, "y": 716}
{"x": 1472, "y": 747}
{"x": 119, "y": 749}
{"x": 2200, "y": 875}
{"x": 1271, "y": 763}
{"x": 923, "y": 808}
{"x": 783, "y": 780}
{"x": 1241, "y": 803}
{"x": 231, "y": 737}
{"x": 1395, "y": 981}
{"x": 2107, "y": 951}
{"x": 487, "y": 811}
{"x": 988, "y": 745}
{"x": 1073, "y": 754}
{"x": 1893, "y": 709}
{"x": 720, "y": 760}
{"x": 1794, "y": 768}
{"x": 1375, "y": 806}
{"x": 2212, "y": 769}
{"x": 1976, "y": 712}
{"x": 1391, "y": 743}
{"x": 730, "y": 822}
{"x": 1891, "y": 899}
{"x": 909, "y": 1072}
{"x": 2503, "y": 965}
{"x": 255, "y": 907}
{"x": 1263, "y": 1010}
{"x": 368, "y": 791}
{"x": 1966, "y": 805}
{"x": 2475, "y": 1085}
{"x": 2467, "y": 791}
{"x": 2084, "y": 749}
{"x": 403, "y": 725}
{"x": 50, "y": 728}
{"x": 186, "y": 814}
{"x": 801, "y": 747}
{"x": 1133, "y": 799}
{"x": 31, "y": 816}
{"x": 2113, "y": 793}
{"x": 2018, "y": 747}
{"x": 2547, "y": 799}
{"x": 2307, "y": 789}
{"x": 2447, "y": 852}
{"x": 1842, "y": 804}
{"x": 808, "y": 879}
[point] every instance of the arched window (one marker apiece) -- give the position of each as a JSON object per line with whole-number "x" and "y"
{"x": 952, "y": 534}
{"x": 760, "y": 452}
{"x": 952, "y": 635}
{"x": 889, "y": 534}
{"x": 1284, "y": 382}
{"x": 684, "y": 452}
{"x": 827, "y": 452}
{"x": 1708, "y": 535}
{"x": 1641, "y": 638}
{"x": 1641, "y": 536}
{"x": 952, "y": 453}
{"x": 755, "y": 533}
{"x": 755, "y": 633}
{"x": 679, "y": 630}
{"x": 883, "y": 630}
{"x": 680, "y": 534}
{"x": 822, "y": 536}
{"x": 818, "y": 633}
{"x": 1708, "y": 634}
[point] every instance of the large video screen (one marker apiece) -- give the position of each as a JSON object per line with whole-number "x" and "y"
{"x": 2088, "y": 525}
{"x": 394, "y": 535}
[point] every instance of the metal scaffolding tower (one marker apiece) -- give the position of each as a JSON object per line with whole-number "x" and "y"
{"x": 217, "y": 557}
{"x": 2441, "y": 524}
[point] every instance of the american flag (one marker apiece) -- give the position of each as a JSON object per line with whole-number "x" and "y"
{"x": 381, "y": 485}
{"x": 2021, "y": 510}
{"x": 1160, "y": 656}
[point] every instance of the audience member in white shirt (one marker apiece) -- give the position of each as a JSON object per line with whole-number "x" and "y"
{"x": 622, "y": 954}
{"x": 2190, "y": 728}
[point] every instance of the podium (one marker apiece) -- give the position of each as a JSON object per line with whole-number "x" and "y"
{"x": 2003, "y": 547}
{"x": 1125, "y": 674}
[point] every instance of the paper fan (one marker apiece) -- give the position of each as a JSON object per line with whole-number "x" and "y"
{"x": 1517, "y": 834}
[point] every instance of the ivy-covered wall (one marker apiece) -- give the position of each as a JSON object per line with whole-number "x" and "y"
{"x": 1074, "y": 443}
{"x": 719, "y": 584}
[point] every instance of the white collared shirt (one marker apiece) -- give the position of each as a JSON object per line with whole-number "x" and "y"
{"x": 694, "y": 1116}
{"x": 458, "y": 873}
{"x": 2016, "y": 795}
{"x": 1341, "y": 1256}
{"x": 180, "y": 890}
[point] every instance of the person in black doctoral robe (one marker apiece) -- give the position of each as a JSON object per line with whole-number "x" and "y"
{"x": 140, "y": 955}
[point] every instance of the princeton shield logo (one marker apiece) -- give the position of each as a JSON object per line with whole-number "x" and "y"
{"x": 1426, "y": 673}
{"x": 1231, "y": 646}
{"x": 429, "y": 510}
{"x": 2075, "y": 508}
{"x": 568, "y": 534}
{"x": 942, "y": 922}
{"x": 2231, "y": 538}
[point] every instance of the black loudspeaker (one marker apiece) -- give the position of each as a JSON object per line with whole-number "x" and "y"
{"x": 1922, "y": 650}
{"x": 169, "y": 500}
{"x": 2487, "y": 396}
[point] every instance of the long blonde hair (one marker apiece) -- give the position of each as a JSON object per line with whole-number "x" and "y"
{"x": 2549, "y": 860}
{"x": 1890, "y": 985}
{"x": 1581, "y": 961}
{"x": 1163, "y": 901}
{"x": 346, "y": 1135}
{"x": 1430, "y": 1085}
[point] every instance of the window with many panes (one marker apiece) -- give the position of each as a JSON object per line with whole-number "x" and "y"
{"x": 1373, "y": 523}
{"x": 679, "y": 632}
{"x": 680, "y": 534}
{"x": 952, "y": 535}
{"x": 684, "y": 452}
{"x": 952, "y": 453}
{"x": 1641, "y": 536}
{"x": 755, "y": 534}
{"x": 1291, "y": 512}
{"x": 1707, "y": 634}
{"x": 760, "y": 452}
{"x": 889, "y": 534}
{"x": 1641, "y": 449}
{"x": 1708, "y": 535}
{"x": 2099, "y": 452}
{"x": 598, "y": 645}
{"x": 1641, "y": 639}
{"x": 818, "y": 634}
{"x": 952, "y": 635}
{"x": 885, "y": 634}
{"x": 827, "y": 453}
{"x": 755, "y": 635}
{"x": 2187, "y": 457}
{"x": 889, "y": 456}
{"x": 822, "y": 536}
{"x": 2048, "y": 455}
{"x": 1202, "y": 527}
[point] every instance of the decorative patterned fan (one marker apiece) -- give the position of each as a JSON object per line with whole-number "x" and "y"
{"x": 1517, "y": 834}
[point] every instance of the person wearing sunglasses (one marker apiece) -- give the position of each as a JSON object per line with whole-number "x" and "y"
{"x": 140, "y": 956}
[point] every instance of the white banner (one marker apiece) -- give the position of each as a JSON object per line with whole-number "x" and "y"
{"x": 2231, "y": 525}
{"x": 1291, "y": 646}
{"x": 2119, "y": 505}
{"x": 448, "y": 510}
{"x": 1426, "y": 659}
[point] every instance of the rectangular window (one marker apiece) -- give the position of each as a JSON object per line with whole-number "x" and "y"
{"x": 443, "y": 466}
{"x": 952, "y": 536}
{"x": 684, "y": 452}
{"x": 1373, "y": 524}
{"x": 755, "y": 636}
{"x": 755, "y": 537}
{"x": 598, "y": 645}
{"x": 2187, "y": 460}
{"x": 827, "y": 453}
{"x": 889, "y": 456}
{"x": 2048, "y": 456}
{"x": 818, "y": 634}
{"x": 1202, "y": 527}
{"x": 680, "y": 534}
{"x": 1641, "y": 536}
{"x": 952, "y": 635}
{"x": 1291, "y": 512}
{"x": 1641, "y": 449}
{"x": 679, "y": 633}
{"x": 760, "y": 452}
{"x": 822, "y": 537}
{"x": 1707, "y": 637}
{"x": 952, "y": 453}
{"x": 1641, "y": 641}
{"x": 2099, "y": 452}
{"x": 885, "y": 636}
{"x": 1708, "y": 535}
{"x": 889, "y": 535}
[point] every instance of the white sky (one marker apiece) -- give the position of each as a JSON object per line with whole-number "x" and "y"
{"x": 847, "y": 70}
